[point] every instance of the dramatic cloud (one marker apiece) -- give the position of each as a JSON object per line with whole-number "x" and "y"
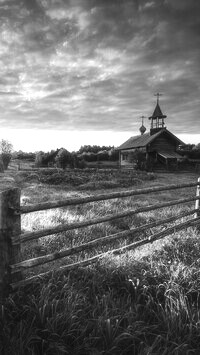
{"x": 96, "y": 64}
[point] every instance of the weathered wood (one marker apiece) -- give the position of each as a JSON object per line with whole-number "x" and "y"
{"x": 162, "y": 143}
{"x": 66, "y": 227}
{"x": 10, "y": 225}
{"x": 197, "y": 201}
{"x": 159, "y": 235}
{"x": 94, "y": 243}
{"x": 60, "y": 269}
{"x": 99, "y": 197}
{"x": 131, "y": 246}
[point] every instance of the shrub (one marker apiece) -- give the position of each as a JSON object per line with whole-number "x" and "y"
{"x": 6, "y": 152}
{"x": 1, "y": 166}
{"x": 54, "y": 179}
{"x": 33, "y": 177}
{"x": 139, "y": 158}
{"x": 81, "y": 164}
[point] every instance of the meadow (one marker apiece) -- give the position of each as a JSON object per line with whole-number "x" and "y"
{"x": 140, "y": 302}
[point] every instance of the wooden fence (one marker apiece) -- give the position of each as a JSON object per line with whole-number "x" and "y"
{"x": 11, "y": 238}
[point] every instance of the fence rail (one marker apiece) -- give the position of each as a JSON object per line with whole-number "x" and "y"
{"x": 11, "y": 238}
{"x": 107, "y": 239}
{"x": 66, "y": 227}
{"x": 99, "y": 197}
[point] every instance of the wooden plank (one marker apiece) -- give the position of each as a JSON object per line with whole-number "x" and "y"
{"x": 156, "y": 236}
{"x": 163, "y": 143}
{"x": 99, "y": 197}
{"x": 197, "y": 201}
{"x": 167, "y": 231}
{"x": 66, "y": 227}
{"x": 9, "y": 225}
{"x": 94, "y": 243}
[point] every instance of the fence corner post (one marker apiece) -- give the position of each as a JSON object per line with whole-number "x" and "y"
{"x": 197, "y": 213}
{"x": 10, "y": 225}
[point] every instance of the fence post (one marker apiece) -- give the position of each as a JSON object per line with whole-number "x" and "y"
{"x": 10, "y": 225}
{"x": 197, "y": 214}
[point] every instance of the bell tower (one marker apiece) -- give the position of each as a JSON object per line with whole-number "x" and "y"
{"x": 157, "y": 119}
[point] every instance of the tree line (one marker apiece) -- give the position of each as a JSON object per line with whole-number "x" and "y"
{"x": 87, "y": 153}
{"x": 63, "y": 158}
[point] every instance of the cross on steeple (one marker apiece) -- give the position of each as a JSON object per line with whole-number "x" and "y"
{"x": 157, "y": 119}
{"x": 158, "y": 95}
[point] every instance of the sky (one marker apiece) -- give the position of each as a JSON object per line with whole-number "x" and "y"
{"x": 75, "y": 72}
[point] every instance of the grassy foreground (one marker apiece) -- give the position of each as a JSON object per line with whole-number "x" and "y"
{"x": 119, "y": 306}
{"x": 143, "y": 302}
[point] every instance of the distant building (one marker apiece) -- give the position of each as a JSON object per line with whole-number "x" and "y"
{"x": 158, "y": 147}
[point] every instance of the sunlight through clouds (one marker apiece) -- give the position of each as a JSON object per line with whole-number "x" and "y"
{"x": 95, "y": 65}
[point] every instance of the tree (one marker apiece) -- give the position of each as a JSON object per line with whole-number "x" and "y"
{"x": 197, "y": 146}
{"x": 6, "y": 149}
{"x": 46, "y": 159}
{"x": 39, "y": 159}
{"x": 93, "y": 149}
{"x": 24, "y": 155}
{"x": 102, "y": 155}
{"x": 114, "y": 155}
{"x": 63, "y": 158}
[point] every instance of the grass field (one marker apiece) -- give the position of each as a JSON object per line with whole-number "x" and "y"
{"x": 141, "y": 302}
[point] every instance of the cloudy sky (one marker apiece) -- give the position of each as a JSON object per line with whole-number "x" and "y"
{"x": 76, "y": 72}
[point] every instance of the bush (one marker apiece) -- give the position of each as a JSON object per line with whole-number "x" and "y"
{"x": 6, "y": 152}
{"x": 81, "y": 164}
{"x": 1, "y": 166}
{"x": 54, "y": 179}
{"x": 6, "y": 158}
{"x": 33, "y": 177}
{"x": 93, "y": 185}
{"x": 139, "y": 159}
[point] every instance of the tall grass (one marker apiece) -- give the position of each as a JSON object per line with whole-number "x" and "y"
{"x": 123, "y": 305}
{"x": 141, "y": 302}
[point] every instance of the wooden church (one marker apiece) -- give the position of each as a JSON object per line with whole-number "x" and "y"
{"x": 158, "y": 147}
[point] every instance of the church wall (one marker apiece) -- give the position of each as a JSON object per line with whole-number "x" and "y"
{"x": 162, "y": 143}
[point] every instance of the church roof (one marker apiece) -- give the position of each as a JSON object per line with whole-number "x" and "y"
{"x": 138, "y": 141}
{"x": 144, "y": 139}
{"x": 157, "y": 112}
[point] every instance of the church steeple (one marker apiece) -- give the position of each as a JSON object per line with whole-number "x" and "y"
{"x": 157, "y": 119}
